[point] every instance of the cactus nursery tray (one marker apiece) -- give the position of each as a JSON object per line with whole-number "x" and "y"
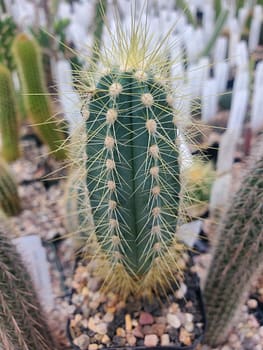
{"x": 103, "y": 321}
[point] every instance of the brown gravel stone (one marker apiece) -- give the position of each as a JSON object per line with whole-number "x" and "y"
{"x": 145, "y": 318}
{"x": 131, "y": 339}
{"x": 137, "y": 332}
{"x": 158, "y": 329}
{"x": 128, "y": 322}
{"x": 185, "y": 337}
{"x": 120, "y": 332}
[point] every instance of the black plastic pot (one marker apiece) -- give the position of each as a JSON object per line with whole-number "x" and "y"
{"x": 197, "y": 341}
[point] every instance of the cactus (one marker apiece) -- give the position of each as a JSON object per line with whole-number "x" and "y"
{"x": 182, "y": 4}
{"x": 198, "y": 179}
{"x": 8, "y": 117}
{"x": 78, "y": 218}
{"x": 237, "y": 257}
{"x": 9, "y": 200}
{"x": 133, "y": 169}
{"x": 100, "y": 11}
{"x": 7, "y": 34}
{"x": 37, "y": 103}
{"x": 220, "y": 22}
{"x": 22, "y": 323}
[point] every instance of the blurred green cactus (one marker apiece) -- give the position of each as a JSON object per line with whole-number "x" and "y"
{"x": 8, "y": 117}
{"x": 198, "y": 178}
{"x": 9, "y": 199}
{"x": 22, "y": 323}
{"x": 37, "y": 102}
{"x": 238, "y": 255}
{"x": 7, "y": 34}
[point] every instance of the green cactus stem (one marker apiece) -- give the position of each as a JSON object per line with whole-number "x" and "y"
{"x": 9, "y": 199}
{"x": 133, "y": 175}
{"x": 98, "y": 23}
{"x": 22, "y": 323}
{"x": 182, "y": 4}
{"x": 237, "y": 257}
{"x": 37, "y": 102}
{"x": 8, "y": 117}
{"x": 220, "y": 22}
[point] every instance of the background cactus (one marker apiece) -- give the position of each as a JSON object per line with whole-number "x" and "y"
{"x": 98, "y": 24}
{"x": 7, "y": 34}
{"x": 78, "y": 217}
{"x": 9, "y": 200}
{"x": 198, "y": 178}
{"x": 8, "y": 117}
{"x": 237, "y": 257}
{"x": 133, "y": 175}
{"x": 22, "y": 324}
{"x": 37, "y": 102}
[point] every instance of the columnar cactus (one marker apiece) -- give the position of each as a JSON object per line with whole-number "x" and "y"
{"x": 37, "y": 102}
{"x": 237, "y": 257}
{"x": 7, "y": 34}
{"x": 78, "y": 217}
{"x": 98, "y": 24}
{"x": 133, "y": 175}
{"x": 8, "y": 117}
{"x": 9, "y": 200}
{"x": 22, "y": 323}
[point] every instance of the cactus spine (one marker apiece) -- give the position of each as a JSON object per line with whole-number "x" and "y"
{"x": 132, "y": 166}
{"x": 238, "y": 255}
{"x": 9, "y": 200}
{"x": 8, "y": 117}
{"x": 22, "y": 324}
{"x": 38, "y": 105}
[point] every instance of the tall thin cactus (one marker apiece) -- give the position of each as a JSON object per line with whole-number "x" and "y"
{"x": 9, "y": 199}
{"x": 132, "y": 167}
{"x": 22, "y": 323}
{"x": 8, "y": 117}
{"x": 37, "y": 102}
{"x": 238, "y": 255}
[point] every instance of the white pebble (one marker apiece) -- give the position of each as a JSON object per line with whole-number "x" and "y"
{"x": 173, "y": 321}
{"x": 252, "y": 303}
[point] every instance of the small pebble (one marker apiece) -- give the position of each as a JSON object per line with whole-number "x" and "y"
{"x": 108, "y": 317}
{"x": 82, "y": 341}
{"x": 93, "y": 346}
{"x": 105, "y": 339}
{"x": 102, "y": 328}
{"x": 145, "y": 318}
{"x": 150, "y": 340}
{"x": 252, "y": 303}
{"x": 137, "y": 332}
{"x": 173, "y": 321}
{"x": 180, "y": 293}
{"x": 120, "y": 332}
{"x": 158, "y": 329}
{"x": 165, "y": 340}
{"x": 185, "y": 337}
{"x": 128, "y": 322}
{"x": 189, "y": 326}
{"x": 226, "y": 347}
{"x": 131, "y": 339}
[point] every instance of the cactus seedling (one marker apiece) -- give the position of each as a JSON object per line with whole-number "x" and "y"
{"x": 237, "y": 257}
{"x": 37, "y": 103}
{"x": 9, "y": 200}
{"x": 8, "y": 116}
{"x": 22, "y": 324}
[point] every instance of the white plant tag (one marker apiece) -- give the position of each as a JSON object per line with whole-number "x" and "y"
{"x": 188, "y": 233}
{"x": 220, "y": 193}
{"x": 34, "y": 257}
{"x": 209, "y": 100}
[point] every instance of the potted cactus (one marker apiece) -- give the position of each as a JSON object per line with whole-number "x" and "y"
{"x": 133, "y": 284}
